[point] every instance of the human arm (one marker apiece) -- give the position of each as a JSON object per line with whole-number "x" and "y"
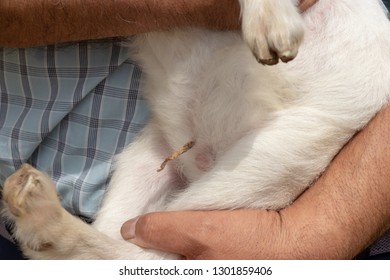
{"x": 341, "y": 214}
{"x": 26, "y": 23}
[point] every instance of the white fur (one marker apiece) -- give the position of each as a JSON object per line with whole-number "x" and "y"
{"x": 262, "y": 134}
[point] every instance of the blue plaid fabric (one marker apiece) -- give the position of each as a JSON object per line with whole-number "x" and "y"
{"x": 67, "y": 110}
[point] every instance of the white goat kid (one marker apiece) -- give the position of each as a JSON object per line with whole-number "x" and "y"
{"x": 260, "y": 134}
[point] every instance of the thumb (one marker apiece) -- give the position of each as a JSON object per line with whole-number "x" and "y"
{"x": 175, "y": 232}
{"x": 305, "y": 4}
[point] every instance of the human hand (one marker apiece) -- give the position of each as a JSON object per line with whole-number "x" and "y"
{"x": 251, "y": 234}
{"x": 305, "y": 4}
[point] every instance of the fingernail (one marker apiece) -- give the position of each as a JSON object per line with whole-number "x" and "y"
{"x": 128, "y": 229}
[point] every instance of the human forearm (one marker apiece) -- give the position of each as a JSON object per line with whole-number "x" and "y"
{"x": 350, "y": 204}
{"x": 38, "y": 22}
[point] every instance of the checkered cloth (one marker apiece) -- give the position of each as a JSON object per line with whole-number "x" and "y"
{"x": 68, "y": 110}
{"x": 381, "y": 246}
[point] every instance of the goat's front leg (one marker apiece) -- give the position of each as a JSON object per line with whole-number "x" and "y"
{"x": 273, "y": 29}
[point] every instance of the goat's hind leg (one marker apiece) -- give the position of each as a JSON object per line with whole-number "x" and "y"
{"x": 47, "y": 231}
{"x": 42, "y": 227}
{"x": 31, "y": 202}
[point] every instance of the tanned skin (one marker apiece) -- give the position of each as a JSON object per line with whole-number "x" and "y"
{"x": 26, "y": 23}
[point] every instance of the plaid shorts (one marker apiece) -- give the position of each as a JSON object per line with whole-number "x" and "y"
{"x": 67, "y": 110}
